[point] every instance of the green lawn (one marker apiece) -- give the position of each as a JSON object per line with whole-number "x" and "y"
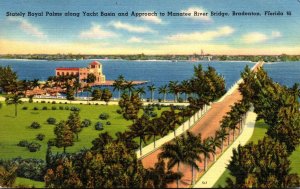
{"x": 259, "y": 132}
{"x": 27, "y": 183}
{"x": 14, "y": 129}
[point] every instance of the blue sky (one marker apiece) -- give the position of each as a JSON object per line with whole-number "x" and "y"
{"x": 152, "y": 34}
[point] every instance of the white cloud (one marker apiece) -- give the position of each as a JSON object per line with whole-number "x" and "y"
{"x": 257, "y": 37}
{"x": 28, "y": 27}
{"x": 131, "y": 28}
{"x": 96, "y": 32}
{"x": 198, "y": 10}
{"x": 135, "y": 40}
{"x": 153, "y": 19}
{"x": 203, "y": 36}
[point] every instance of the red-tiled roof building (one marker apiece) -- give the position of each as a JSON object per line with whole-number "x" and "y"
{"x": 94, "y": 67}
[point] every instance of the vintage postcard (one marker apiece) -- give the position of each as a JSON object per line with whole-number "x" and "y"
{"x": 149, "y": 94}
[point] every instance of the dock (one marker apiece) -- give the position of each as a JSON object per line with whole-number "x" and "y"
{"x": 108, "y": 83}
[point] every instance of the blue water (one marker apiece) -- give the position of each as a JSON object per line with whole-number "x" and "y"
{"x": 155, "y": 72}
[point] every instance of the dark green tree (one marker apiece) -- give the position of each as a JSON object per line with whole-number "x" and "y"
{"x": 14, "y": 99}
{"x": 74, "y": 123}
{"x": 64, "y": 135}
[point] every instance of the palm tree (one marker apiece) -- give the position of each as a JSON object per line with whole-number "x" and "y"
{"x": 129, "y": 86}
{"x": 140, "y": 91}
{"x": 14, "y": 99}
{"x": 163, "y": 90}
{"x": 154, "y": 129}
{"x": 126, "y": 139}
{"x": 175, "y": 89}
{"x": 77, "y": 86}
{"x": 184, "y": 149}
{"x": 169, "y": 119}
{"x": 151, "y": 88}
{"x": 159, "y": 177}
{"x": 207, "y": 149}
{"x": 88, "y": 90}
{"x": 185, "y": 88}
{"x": 118, "y": 84}
{"x": 139, "y": 129}
{"x": 221, "y": 135}
{"x": 35, "y": 83}
{"x": 215, "y": 143}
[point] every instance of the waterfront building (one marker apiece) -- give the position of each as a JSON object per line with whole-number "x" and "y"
{"x": 94, "y": 67}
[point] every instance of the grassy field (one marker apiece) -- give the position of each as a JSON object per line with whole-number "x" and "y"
{"x": 27, "y": 183}
{"x": 14, "y": 129}
{"x": 259, "y": 132}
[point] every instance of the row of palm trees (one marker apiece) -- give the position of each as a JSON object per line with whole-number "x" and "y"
{"x": 174, "y": 87}
{"x": 190, "y": 149}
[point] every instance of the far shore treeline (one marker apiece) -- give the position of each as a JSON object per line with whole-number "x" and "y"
{"x": 191, "y": 57}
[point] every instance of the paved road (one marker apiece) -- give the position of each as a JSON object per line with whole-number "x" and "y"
{"x": 216, "y": 170}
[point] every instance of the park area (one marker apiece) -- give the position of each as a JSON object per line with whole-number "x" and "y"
{"x": 259, "y": 132}
{"x": 14, "y": 129}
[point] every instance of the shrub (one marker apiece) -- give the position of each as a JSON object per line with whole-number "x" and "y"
{"x": 86, "y": 123}
{"x": 119, "y": 111}
{"x": 96, "y": 104}
{"x": 60, "y": 102}
{"x": 30, "y": 168}
{"x": 45, "y": 108}
{"x": 159, "y": 100}
{"x": 35, "y": 125}
{"x": 67, "y": 108}
{"x": 34, "y": 146}
{"x": 51, "y": 142}
{"x": 108, "y": 123}
{"x": 99, "y": 126}
{"x": 53, "y": 102}
{"x": 51, "y": 120}
{"x": 104, "y": 116}
{"x": 53, "y": 107}
{"x": 25, "y": 108}
{"x": 35, "y": 108}
{"x": 153, "y": 114}
{"x": 66, "y": 102}
{"x": 40, "y": 136}
{"x": 48, "y": 102}
{"x": 23, "y": 143}
{"x": 43, "y": 101}
{"x": 180, "y": 99}
{"x": 61, "y": 107}
{"x": 74, "y": 109}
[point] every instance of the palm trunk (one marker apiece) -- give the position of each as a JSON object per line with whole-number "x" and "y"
{"x": 233, "y": 134}
{"x": 192, "y": 175}
{"x": 174, "y": 132}
{"x": 64, "y": 149}
{"x": 119, "y": 94}
{"x": 174, "y": 97}
{"x": 165, "y": 97}
{"x": 222, "y": 147}
{"x": 154, "y": 140}
{"x": 77, "y": 136}
{"x": 205, "y": 163}
{"x": 228, "y": 138}
{"x": 140, "y": 145}
{"x": 16, "y": 110}
{"x": 177, "y": 172}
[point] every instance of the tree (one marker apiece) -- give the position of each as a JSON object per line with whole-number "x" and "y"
{"x": 129, "y": 86}
{"x": 14, "y": 99}
{"x": 181, "y": 150}
{"x": 8, "y": 79}
{"x": 74, "y": 123}
{"x": 159, "y": 177}
{"x": 169, "y": 120}
{"x": 64, "y": 135}
{"x": 106, "y": 95}
{"x": 151, "y": 88}
{"x": 140, "y": 129}
{"x": 140, "y": 91}
{"x": 70, "y": 92}
{"x": 97, "y": 94}
{"x": 174, "y": 88}
{"x": 8, "y": 174}
{"x": 207, "y": 149}
{"x": 154, "y": 129}
{"x": 100, "y": 142}
{"x": 221, "y": 135}
{"x": 130, "y": 106}
{"x": 118, "y": 84}
{"x": 127, "y": 139}
{"x": 87, "y": 89}
{"x": 262, "y": 165}
{"x": 91, "y": 78}
{"x": 163, "y": 90}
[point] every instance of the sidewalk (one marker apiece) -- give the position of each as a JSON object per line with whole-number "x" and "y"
{"x": 216, "y": 170}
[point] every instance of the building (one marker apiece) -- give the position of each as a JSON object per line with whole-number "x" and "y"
{"x": 94, "y": 67}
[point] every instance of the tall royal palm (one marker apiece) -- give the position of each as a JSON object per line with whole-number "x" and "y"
{"x": 140, "y": 91}
{"x": 14, "y": 99}
{"x": 175, "y": 89}
{"x": 139, "y": 129}
{"x": 130, "y": 87}
{"x": 222, "y": 135}
{"x": 163, "y": 90}
{"x": 154, "y": 129}
{"x": 207, "y": 149}
{"x": 181, "y": 150}
{"x": 152, "y": 88}
{"x": 159, "y": 176}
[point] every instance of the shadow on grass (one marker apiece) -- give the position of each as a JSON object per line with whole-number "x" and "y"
{"x": 11, "y": 116}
